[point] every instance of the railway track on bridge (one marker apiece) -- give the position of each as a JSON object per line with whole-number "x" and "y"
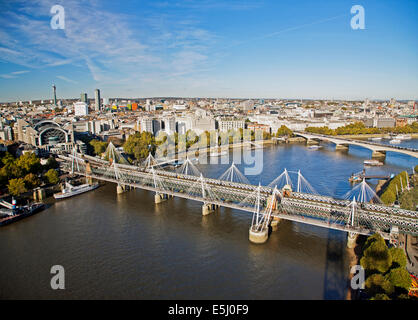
{"x": 318, "y": 210}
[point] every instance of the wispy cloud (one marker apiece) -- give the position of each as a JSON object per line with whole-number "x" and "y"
{"x": 60, "y": 62}
{"x": 13, "y": 75}
{"x": 112, "y": 46}
{"x": 20, "y": 72}
{"x": 9, "y": 51}
{"x": 67, "y": 79}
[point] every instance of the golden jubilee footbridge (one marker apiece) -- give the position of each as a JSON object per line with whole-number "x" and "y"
{"x": 267, "y": 204}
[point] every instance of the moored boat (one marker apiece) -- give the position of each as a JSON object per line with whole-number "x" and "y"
{"x": 394, "y": 141}
{"x": 19, "y": 213}
{"x": 71, "y": 190}
{"x": 403, "y": 137}
{"x": 372, "y": 163}
{"x": 314, "y": 147}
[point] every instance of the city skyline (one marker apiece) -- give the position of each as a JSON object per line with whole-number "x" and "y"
{"x": 124, "y": 99}
{"x": 252, "y": 49}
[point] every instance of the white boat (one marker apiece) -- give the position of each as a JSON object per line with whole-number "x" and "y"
{"x": 403, "y": 137}
{"x": 375, "y": 139}
{"x": 372, "y": 163}
{"x": 218, "y": 154}
{"x": 71, "y": 190}
{"x": 314, "y": 147}
{"x": 393, "y": 141}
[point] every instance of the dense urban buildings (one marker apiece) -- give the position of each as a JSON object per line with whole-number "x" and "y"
{"x": 120, "y": 117}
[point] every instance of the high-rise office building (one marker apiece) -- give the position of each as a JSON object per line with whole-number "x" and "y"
{"x": 55, "y": 94}
{"x": 97, "y": 100}
{"x": 83, "y": 97}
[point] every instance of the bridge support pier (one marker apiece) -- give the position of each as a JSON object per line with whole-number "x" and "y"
{"x": 351, "y": 240}
{"x": 208, "y": 208}
{"x": 160, "y": 197}
{"x": 379, "y": 155}
{"x": 342, "y": 147}
{"x": 120, "y": 189}
{"x": 310, "y": 142}
{"x": 258, "y": 236}
{"x": 274, "y": 224}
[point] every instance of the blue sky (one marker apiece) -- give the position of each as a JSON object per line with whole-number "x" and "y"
{"x": 209, "y": 48}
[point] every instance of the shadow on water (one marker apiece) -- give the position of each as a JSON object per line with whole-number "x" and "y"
{"x": 336, "y": 271}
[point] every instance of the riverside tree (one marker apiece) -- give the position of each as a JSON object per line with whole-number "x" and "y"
{"x": 98, "y": 146}
{"x": 360, "y": 128}
{"x": 378, "y": 284}
{"x": 385, "y": 268}
{"x": 31, "y": 181}
{"x": 376, "y": 257}
{"x": 16, "y": 187}
{"x": 139, "y": 145}
{"x": 52, "y": 176}
{"x": 284, "y": 131}
{"x": 13, "y": 168}
{"x": 398, "y": 257}
{"x": 400, "y": 279}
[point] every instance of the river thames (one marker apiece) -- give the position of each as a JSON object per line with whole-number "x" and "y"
{"x": 126, "y": 247}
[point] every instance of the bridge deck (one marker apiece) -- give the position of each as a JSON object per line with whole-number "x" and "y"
{"x": 316, "y": 210}
{"x": 375, "y": 146}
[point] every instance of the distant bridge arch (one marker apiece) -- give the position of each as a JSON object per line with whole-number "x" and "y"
{"x": 378, "y": 149}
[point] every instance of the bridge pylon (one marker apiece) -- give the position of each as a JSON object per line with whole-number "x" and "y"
{"x": 120, "y": 188}
{"x": 259, "y": 230}
{"x": 89, "y": 172}
{"x": 273, "y": 202}
{"x": 352, "y": 237}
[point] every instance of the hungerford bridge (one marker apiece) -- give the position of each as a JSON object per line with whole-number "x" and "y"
{"x": 267, "y": 204}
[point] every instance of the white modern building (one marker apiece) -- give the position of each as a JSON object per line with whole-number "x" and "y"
{"x": 81, "y": 109}
{"x": 184, "y": 124}
{"x": 228, "y": 124}
{"x": 170, "y": 125}
{"x": 179, "y": 107}
{"x": 148, "y": 125}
